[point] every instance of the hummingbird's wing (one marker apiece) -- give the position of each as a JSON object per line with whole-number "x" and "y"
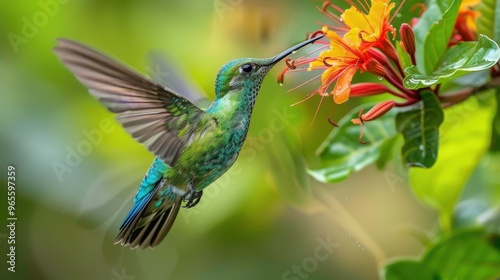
{"x": 170, "y": 75}
{"x": 154, "y": 115}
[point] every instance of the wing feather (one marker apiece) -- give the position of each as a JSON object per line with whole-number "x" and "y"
{"x": 174, "y": 76}
{"x": 154, "y": 115}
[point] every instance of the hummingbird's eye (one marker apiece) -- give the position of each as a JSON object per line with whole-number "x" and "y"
{"x": 247, "y": 68}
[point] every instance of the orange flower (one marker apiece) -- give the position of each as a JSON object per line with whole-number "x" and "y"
{"x": 467, "y": 14}
{"x": 341, "y": 61}
{"x": 351, "y": 52}
{"x": 371, "y": 28}
{"x": 465, "y": 25}
{"x": 358, "y": 41}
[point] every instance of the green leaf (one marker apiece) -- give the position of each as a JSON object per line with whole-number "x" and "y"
{"x": 488, "y": 23}
{"x": 341, "y": 153}
{"x": 464, "y": 138}
{"x": 433, "y": 32}
{"x": 459, "y": 60}
{"x": 408, "y": 270}
{"x": 470, "y": 254}
{"x": 420, "y": 129}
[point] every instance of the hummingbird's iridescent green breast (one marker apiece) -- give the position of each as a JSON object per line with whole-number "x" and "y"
{"x": 206, "y": 158}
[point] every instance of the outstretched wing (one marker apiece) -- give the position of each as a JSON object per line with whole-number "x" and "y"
{"x": 168, "y": 74}
{"x": 154, "y": 115}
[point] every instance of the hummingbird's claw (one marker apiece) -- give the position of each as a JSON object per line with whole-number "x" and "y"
{"x": 192, "y": 197}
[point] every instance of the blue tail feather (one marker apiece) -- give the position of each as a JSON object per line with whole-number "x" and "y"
{"x": 137, "y": 209}
{"x": 155, "y": 173}
{"x": 146, "y": 190}
{"x": 144, "y": 226}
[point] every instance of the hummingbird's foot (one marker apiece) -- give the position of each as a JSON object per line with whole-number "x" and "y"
{"x": 192, "y": 197}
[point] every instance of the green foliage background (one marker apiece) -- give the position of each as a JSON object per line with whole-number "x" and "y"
{"x": 258, "y": 221}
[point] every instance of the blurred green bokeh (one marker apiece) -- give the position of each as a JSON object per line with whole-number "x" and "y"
{"x": 259, "y": 221}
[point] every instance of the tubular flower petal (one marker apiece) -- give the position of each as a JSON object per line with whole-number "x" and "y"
{"x": 367, "y": 89}
{"x": 376, "y": 112}
{"x": 342, "y": 88}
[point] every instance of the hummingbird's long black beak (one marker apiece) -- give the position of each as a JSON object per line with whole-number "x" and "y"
{"x": 286, "y": 52}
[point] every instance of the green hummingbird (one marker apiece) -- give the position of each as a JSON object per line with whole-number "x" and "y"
{"x": 193, "y": 146}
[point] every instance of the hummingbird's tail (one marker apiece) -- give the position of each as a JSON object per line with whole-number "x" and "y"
{"x": 144, "y": 228}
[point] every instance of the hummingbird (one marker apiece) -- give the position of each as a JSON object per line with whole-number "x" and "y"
{"x": 193, "y": 146}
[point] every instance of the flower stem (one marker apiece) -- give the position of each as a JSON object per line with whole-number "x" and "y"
{"x": 391, "y": 75}
{"x": 410, "y": 94}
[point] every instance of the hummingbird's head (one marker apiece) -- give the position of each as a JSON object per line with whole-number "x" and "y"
{"x": 242, "y": 73}
{"x": 246, "y": 74}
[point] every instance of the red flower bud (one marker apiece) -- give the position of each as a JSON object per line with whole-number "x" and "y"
{"x": 367, "y": 89}
{"x": 408, "y": 40}
{"x": 376, "y": 68}
{"x": 389, "y": 50}
{"x": 376, "y": 112}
